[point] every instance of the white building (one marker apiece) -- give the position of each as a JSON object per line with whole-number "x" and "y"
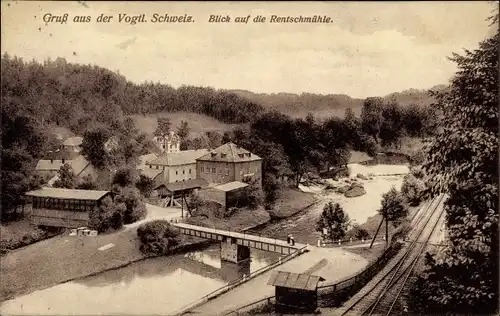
{"x": 170, "y": 143}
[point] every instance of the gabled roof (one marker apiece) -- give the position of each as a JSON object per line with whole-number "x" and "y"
{"x": 151, "y": 173}
{"x": 230, "y": 186}
{"x": 78, "y": 164}
{"x": 294, "y": 280}
{"x": 184, "y": 157}
{"x": 57, "y": 193}
{"x": 229, "y": 152}
{"x": 73, "y": 141}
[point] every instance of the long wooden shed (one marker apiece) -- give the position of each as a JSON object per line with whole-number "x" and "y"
{"x": 67, "y": 208}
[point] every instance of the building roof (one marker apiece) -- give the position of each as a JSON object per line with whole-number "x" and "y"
{"x": 58, "y": 154}
{"x": 144, "y": 159}
{"x": 78, "y": 164}
{"x": 229, "y": 152}
{"x": 73, "y": 141}
{"x": 68, "y": 194}
{"x": 230, "y": 186}
{"x": 294, "y": 280}
{"x": 151, "y": 173}
{"x": 184, "y": 157}
{"x": 184, "y": 185}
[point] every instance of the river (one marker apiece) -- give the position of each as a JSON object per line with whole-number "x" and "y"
{"x": 149, "y": 287}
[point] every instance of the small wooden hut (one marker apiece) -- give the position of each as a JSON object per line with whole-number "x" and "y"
{"x": 295, "y": 292}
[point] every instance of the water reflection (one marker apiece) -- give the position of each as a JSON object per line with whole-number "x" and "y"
{"x": 150, "y": 287}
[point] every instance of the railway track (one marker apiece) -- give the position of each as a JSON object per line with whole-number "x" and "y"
{"x": 380, "y": 295}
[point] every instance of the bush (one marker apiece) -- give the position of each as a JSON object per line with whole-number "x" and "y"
{"x": 359, "y": 233}
{"x": 108, "y": 216}
{"x": 412, "y": 190}
{"x": 157, "y": 237}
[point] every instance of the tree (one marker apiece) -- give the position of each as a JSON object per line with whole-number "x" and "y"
{"x": 391, "y": 126}
{"x": 124, "y": 177}
{"x": 334, "y": 220}
{"x": 66, "y": 177}
{"x": 108, "y": 216}
{"x": 393, "y": 209}
{"x": 87, "y": 183}
{"x": 226, "y": 137}
{"x": 462, "y": 160}
{"x": 163, "y": 127}
{"x": 23, "y": 140}
{"x": 135, "y": 208}
{"x": 214, "y": 139}
{"x": 183, "y": 130}
{"x": 93, "y": 146}
{"x": 371, "y": 116}
{"x": 145, "y": 185}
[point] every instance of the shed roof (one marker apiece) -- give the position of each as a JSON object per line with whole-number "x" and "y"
{"x": 57, "y": 193}
{"x": 73, "y": 141}
{"x": 185, "y": 185}
{"x": 294, "y": 280}
{"x": 184, "y": 157}
{"x": 229, "y": 152}
{"x": 230, "y": 186}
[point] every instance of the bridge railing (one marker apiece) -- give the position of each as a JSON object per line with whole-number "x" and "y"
{"x": 237, "y": 282}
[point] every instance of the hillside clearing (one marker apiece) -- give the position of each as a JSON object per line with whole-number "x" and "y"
{"x": 198, "y": 123}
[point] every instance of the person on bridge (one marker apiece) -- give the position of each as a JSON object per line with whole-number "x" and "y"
{"x": 288, "y": 239}
{"x": 292, "y": 241}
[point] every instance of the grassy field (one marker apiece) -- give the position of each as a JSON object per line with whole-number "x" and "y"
{"x": 290, "y": 202}
{"x": 241, "y": 219}
{"x": 198, "y": 123}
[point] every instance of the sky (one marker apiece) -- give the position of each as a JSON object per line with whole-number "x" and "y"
{"x": 369, "y": 48}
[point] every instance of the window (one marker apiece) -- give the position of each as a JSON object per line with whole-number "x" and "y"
{"x": 177, "y": 172}
{"x": 213, "y": 170}
{"x": 189, "y": 170}
{"x": 163, "y": 146}
{"x": 157, "y": 167}
{"x": 183, "y": 171}
{"x": 150, "y": 166}
{"x": 201, "y": 168}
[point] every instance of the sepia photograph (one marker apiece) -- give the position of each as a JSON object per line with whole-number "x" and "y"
{"x": 249, "y": 158}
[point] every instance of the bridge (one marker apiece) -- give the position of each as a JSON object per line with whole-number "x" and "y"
{"x": 235, "y": 247}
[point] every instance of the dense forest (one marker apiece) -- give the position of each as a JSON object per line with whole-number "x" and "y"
{"x": 76, "y": 95}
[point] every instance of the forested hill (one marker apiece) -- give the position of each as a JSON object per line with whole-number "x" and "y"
{"x": 76, "y": 96}
{"x": 333, "y": 104}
